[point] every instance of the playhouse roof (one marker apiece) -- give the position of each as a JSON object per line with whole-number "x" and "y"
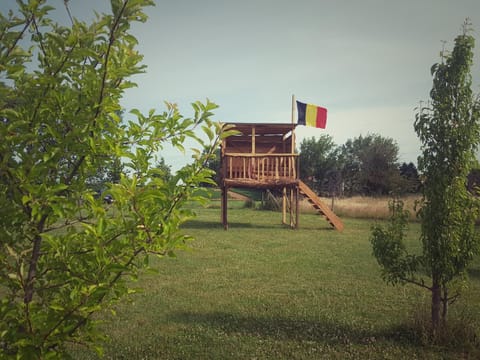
{"x": 264, "y": 128}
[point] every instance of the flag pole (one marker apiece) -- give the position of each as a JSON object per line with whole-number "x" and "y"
{"x": 295, "y": 167}
{"x": 293, "y": 109}
{"x": 293, "y": 122}
{"x": 290, "y": 164}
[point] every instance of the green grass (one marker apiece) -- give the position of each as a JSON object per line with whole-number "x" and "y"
{"x": 263, "y": 291}
{"x": 254, "y": 194}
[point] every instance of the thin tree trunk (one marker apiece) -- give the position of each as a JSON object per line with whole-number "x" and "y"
{"x": 32, "y": 269}
{"x": 445, "y": 304}
{"x": 436, "y": 303}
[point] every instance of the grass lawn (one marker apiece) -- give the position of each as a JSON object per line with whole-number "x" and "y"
{"x": 264, "y": 291}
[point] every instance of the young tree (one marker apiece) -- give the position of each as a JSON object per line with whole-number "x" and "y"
{"x": 65, "y": 255}
{"x": 449, "y": 131}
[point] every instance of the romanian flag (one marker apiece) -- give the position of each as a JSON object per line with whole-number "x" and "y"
{"x": 311, "y": 115}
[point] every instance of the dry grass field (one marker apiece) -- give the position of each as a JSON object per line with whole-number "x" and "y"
{"x": 355, "y": 207}
{"x": 362, "y": 207}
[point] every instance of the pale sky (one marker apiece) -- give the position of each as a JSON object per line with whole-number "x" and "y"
{"x": 367, "y": 61}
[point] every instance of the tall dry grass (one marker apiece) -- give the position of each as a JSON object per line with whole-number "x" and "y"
{"x": 362, "y": 207}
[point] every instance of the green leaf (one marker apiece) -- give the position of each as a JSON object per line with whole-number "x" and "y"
{"x": 209, "y": 132}
{"x": 13, "y": 276}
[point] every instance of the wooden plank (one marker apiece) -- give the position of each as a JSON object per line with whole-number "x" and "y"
{"x": 257, "y": 155}
{"x": 253, "y": 140}
{"x": 333, "y": 219}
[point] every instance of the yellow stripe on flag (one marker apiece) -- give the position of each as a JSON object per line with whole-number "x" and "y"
{"x": 311, "y": 115}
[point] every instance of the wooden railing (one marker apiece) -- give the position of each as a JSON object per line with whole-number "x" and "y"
{"x": 260, "y": 167}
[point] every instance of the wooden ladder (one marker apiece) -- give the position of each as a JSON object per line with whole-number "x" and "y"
{"x": 321, "y": 207}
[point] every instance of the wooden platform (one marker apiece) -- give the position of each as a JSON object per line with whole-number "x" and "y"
{"x": 266, "y": 183}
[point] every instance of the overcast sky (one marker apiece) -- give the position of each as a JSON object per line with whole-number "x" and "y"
{"x": 367, "y": 61}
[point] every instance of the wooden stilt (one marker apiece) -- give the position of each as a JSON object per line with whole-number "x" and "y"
{"x": 284, "y": 206}
{"x": 296, "y": 206}
{"x": 292, "y": 225}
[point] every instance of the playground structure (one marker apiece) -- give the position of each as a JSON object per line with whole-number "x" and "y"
{"x": 262, "y": 156}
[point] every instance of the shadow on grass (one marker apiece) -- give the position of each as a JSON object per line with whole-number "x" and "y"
{"x": 474, "y": 273}
{"x": 323, "y": 331}
{"x": 198, "y": 224}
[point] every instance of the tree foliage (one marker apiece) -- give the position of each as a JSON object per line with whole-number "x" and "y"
{"x": 473, "y": 181}
{"x": 213, "y": 163}
{"x": 449, "y": 131}
{"x": 389, "y": 248}
{"x": 164, "y": 171}
{"x": 319, "y": 166}
{"x": 108, "y": 171}
{"x": 410, "y": 179}
{"x": 364, "y": 165}
{"x": 370, "y": 165}
{"x": 64, "y": 255}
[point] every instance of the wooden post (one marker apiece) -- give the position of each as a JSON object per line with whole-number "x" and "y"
{"x": 284, "y": 205}
{"x": 277, "y": 176}
{"x": 253, "y": 140}
{"x": 292, "y": 225}
{"x": 296, "y": 206}
{"x": 293, "y": 122}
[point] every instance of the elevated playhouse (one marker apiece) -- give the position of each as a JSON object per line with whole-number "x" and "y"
{"x": 262, "y": 156}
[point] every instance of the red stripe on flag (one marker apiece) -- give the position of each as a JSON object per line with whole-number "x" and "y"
{"x": 321, "y": 121}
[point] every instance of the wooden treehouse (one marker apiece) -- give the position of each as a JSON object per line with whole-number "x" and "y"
{"x": 263, "y": 156}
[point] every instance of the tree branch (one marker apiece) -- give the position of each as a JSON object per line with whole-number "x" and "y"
{"x": 19, "y": 37}
{"x": 415, "y": 282}
{"x": 32, "y": 270}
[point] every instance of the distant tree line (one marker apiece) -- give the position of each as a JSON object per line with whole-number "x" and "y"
{"x": 112, "y": 168}
{"x": 365, "y": 165}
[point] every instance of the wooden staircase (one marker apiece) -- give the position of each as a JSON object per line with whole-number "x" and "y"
{"x": 322, "y": 208}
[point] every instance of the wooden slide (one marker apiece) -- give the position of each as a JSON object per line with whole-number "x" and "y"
{"x": 322, "y": 208}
